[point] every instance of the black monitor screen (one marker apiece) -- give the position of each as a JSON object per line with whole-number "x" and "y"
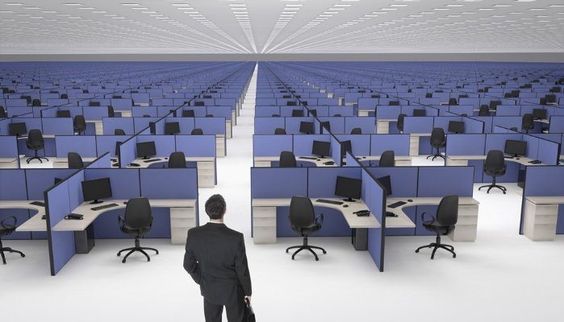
{"x": 419, "y": 112}
{"x": 320, "y": 148}
{"x": 326, "y": 126}
{"x": 515, "y": 148}
{"x": 297, "y": 113}
{"x": 172, "y": 128}
{"x": 146, "y": 149}
{"x": 188, "y": 113}
{"x": 116, "y": 150}
{"x": 17, "y": 129}
{"x": 93, "y": 190}
{"x": 539, "y": 113}
{"x": 456, "y": 127}
{"x": 346, "y": 146}
{"x": 348, "y": 187}
{"x": 307, "y": 127}
{"x": 386, "y": 183}
{"x": 63, "y": 113}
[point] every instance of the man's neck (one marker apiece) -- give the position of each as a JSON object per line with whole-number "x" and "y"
{"x": 216, "y": 221}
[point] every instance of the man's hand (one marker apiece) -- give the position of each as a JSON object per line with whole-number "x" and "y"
{"x": 248, "y": 299}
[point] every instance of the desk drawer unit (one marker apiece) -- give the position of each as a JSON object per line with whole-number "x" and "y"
{"x": 264, "y": 225}
{"x": 467, "y": 225}
{"x": 263, "y": 164}
{"x": 540, "y": 221}
{"x": 181, "y": 219}
{"x": 413, "y": 145}
{"x": 220, "y": 145}
{"x": 382, "y": 127}
{"x": 206, "y": 174}
{"x": 451, "y": 162}
{"x": 228, "y": 129}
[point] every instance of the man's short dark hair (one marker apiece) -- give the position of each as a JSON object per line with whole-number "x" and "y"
{"x": 215, "y": 207}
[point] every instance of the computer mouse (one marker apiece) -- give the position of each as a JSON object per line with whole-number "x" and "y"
{"x": 409, "y": 200}
{"x": 517, "y": 158}
{"x": 345, "y": 206}
{"x": 134, "y": 164}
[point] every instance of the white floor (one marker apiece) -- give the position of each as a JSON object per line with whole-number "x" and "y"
{"x": 500, "y": 277}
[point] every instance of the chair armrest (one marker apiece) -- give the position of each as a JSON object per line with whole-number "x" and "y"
{"x": 7, "y": 225}
{"x": 319, "y": 220}
{"x": 423, "y": 217}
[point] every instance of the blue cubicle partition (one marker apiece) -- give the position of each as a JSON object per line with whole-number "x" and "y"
{"x": 30, "y": 123}
{"x": 57, "y": 126}
{"x": 336, "y": 150}
{"x": 375, "y": 199}
{"x": 196, "y": 145}
{"x": 399, "y": 143}
{"x": 144, "y": 112}
{"x": 83, "y": 145}
{"x": 556, "y": 124}
{"x": 271, "y": 145}
{"x": 102, "y": 162}
{"x": 95, "y": 112}
{"x": 293, "y": 124}
{"x": 141, "y": 123}
{"x": 507, "y": 122}
{"x": 388, "y": 112}
{"x": 360, "y": 143}
{"x": 107, "y": 143}
{"x": 127, "y": 152}
{"x": 416, "y": 124}
{"x": 303, "y": 143}
{"x": 186, "y": 124}
{"x": 8, "y": 147}
{"x": 266, "y": 125}
{"x": 544, "y": 181}
{"x": 366, "y": 124}
{"x": 13, "y": 187}
{"x": 468, "y": 144}
{"x": 473, "y": 126}
{"x": 112, "y": 123}
{"x": 337, "y": 125}
{"x": 165, "y": 144}
{"x": 4, "y": 126}
{"x": 210, "y": 125}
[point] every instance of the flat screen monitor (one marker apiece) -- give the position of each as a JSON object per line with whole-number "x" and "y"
{"x": 456, "y": 127}
{"x": 94, "y": 190}
{"x": 386, "y": 183}
{"x": 297, "y": 113}
{"x": 312, "y": 112}
{"x": 419, "y": 112}
{"x": 188, "y": 113}
{"x": 307, "y": 127}
{"x": 515, "y": 148}
{"x": 326, "y": 126}
{"x": 17, "y": 129}
{"x": 321, "y": 148}
{"x": 146, "y": 150}
{"x": 346, "y": 146}
{"x": 172, "y": 128}
{"x": 63, "y": 113}
{"x": 350, "y": 188}
{"x": 539, "y": 114}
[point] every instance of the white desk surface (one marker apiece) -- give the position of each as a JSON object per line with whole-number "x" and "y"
{"x": 8, "y": 160}
{"x": 377, "y": 157}
{"x": 319, "y": 162}
{"x": 386, "y": 120}
{"x": 520, "y": 160}
{"x": 65, "y": 160}
{"x": 143, "y": 164}
{"x": 91, "y": 215}
{"x": 420, "y": 134}
{"x": 546, "y": 200}
{"x": 35, "y": 223}
{"x": 353, "y": 220}
{"x": 403, "y": 221}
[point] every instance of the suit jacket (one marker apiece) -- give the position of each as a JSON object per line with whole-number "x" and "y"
{"x": 216, "y": 259}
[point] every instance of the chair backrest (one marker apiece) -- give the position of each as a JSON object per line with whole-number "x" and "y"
{"x": 64, "y": 96}
{"x": 177, "y": 160}
{"x": 188, "y": 113}
{"x": 302, "y": 213}
{"x": 111, "y": 112}
{"x": 36, "y": 102}
{"x": 197, "y": 131}
{"x": 356, "y": 130}
{"x": 119, "y": 132}
{"x": 280, "y": 131}
{"x": 3, "y": 113}
{"x": 74, "y": 160}
{"x": 287, "y": 160}
{"x": 387, "y": 159}
{"x": 484, "y": 111}
{"x": 8, "y": 225}
{"x": 138, "y": 213}
{"x": 63, "y": 113}
{"x": 79, "y": 123}
{"x": 495, "y": 161}
{"x": 528, "y": 121}
{"x": 399, "y": 123}
{"x": 447, "y": 212}
{"x": 438, "y": 137}
{"x": 35, "y": 139}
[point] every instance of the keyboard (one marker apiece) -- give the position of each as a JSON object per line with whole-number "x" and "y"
{"x": 333, "y": 202}
{"x": 390, "y": 214}
{"x": 309, "y": 158}
{"x": 151, "y": 160}
{"x": 133, "y": 164}
{"x": 535, "y": 162}
{"x": 37, "y": 203}
{"x": 397, "y": 204}
{"x": 110, "y": 205}
{"x": 329, "y": 163}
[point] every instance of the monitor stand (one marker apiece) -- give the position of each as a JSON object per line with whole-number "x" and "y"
{"x": 96, "y": 202}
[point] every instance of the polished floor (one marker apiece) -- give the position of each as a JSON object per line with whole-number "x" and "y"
{"x": 501, "y": 277}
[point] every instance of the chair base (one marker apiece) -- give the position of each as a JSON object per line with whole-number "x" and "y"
{"x": 493, "y": 185}
{"x": 436, "y": 245}
{"x": 434, "y": 156}
{"x": 306, "y": 246}
{"x": 136, "y": 248}
{"x": 28, "y": 160}
{"x": 9, "y": 250}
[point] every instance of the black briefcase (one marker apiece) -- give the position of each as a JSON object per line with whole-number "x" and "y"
{"x": 249, "y": 313}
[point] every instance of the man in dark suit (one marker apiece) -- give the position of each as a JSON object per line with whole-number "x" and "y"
{"x": 216, "y": 259}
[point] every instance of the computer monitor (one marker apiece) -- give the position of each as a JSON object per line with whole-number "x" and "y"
{"x": 326, "y": 126}
{"x": 539, "y": 114}
{"x": 515, "y": 148}
{"x": 297, "y": 113}
{"x": 386, "y": 183}
{"x": 17, "y": 129}
{"x": 456, "y": 127}
{"x": 146, "y": 150}
{"x": 307, "y": 127}
{"x": 350, "y": 188}
{"x": 321, "y": 148}
{"x": 153, "y": 128}
{"x": 188, "y": 113}
{"x": 172, "y": 128}
{"x": 419, "y": 112}
{"x": 63, "y": 113}
{"x": 94, "y": 190}
{"x": 346, "y": 146}
{"x": 173, "y": 112}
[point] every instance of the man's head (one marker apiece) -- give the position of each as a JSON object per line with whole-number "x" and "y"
{"x": 215, "y": 207}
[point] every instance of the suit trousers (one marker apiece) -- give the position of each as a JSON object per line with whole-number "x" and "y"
{"x": 235, "y": 311}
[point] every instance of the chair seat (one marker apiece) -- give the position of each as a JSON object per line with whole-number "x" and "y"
{"x": 309, "y": 229}
{"x": 434, "y": 225}
{"x": 130, "y": 230}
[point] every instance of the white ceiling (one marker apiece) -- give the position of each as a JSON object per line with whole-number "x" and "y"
{"x": 280, "y": 26}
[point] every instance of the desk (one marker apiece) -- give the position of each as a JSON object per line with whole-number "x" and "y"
{"x": 364, "y": 112}
{"x": 63, "y": 162}
{"x": 9, "y": 163}
{"x": 266, "y": 162}
{"x": 414, "y": 142}
{"x": 264, "y": 216}
{"x": 462, "y": 160}
{"x": 383, "y": 125}
{"x": 401, "y": 160}
{"x": 220, "y": 149}
{"x": 182, "y": 216}
{"x": 465, "y": 229}
{"x": 541, "y": 216}
{"x": 35, "y": 223}
{"x": 205, "y": 167}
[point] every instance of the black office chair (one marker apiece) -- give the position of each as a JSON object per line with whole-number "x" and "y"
{"x": 387, "y": 159}
{"x": 209, "y": 115}
{"x": 303, "y": 221}
{"x": 74, "y": 160}
{"x": 35, "y": 142}
{"x": 527, "y": 122}
{"x": 63, "y": 113}
{"x": 494, "y": 166}
{"x": 137, "y": 220}
{"x": 484, "y": 111}
{"x": 197, "y": 131}
{"x": 280, "y": 131}
{"x": 442, "y": 224}
{"x": 64, "y": 96}
{"x": 356, "y": 130}
{"x": 3, "y": 113}
{"x": 188, "y": 113}
{"x": 399, "y": 123}
{"x": 119, "y": 132}
{"x": 79, "y": 124}
{"x": 111, "y": 111}
{"x": 36, "y": 102}
{"x": 7, "y": 227}
{"x": 287, "y": 160}
{"x": 452, "y": 101}
{"x": 438, "y": 140}
{"x": 177, "y": 160}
